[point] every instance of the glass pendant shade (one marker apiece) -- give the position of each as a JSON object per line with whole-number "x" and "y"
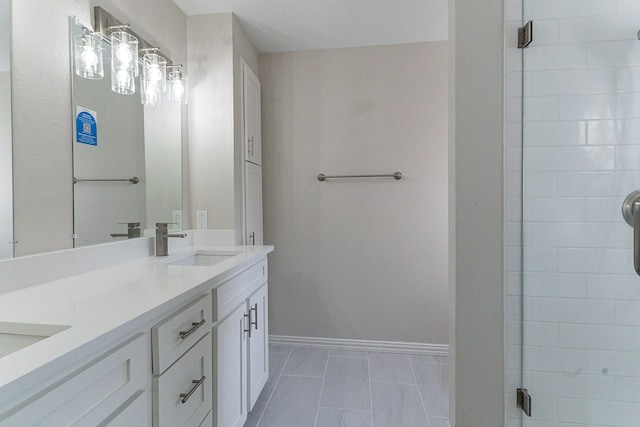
{"x": 154, "y": 72}
{"x": 124, "y": 63}
{"x": 178, "y": 86}
{"x": 87, "y": 50}
{"x": 154, "y": 79}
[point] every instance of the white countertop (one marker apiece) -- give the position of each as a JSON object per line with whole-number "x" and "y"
{"x": 102, "y": 306}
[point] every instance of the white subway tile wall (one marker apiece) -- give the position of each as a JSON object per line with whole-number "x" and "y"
{"x": 581, "y": 305}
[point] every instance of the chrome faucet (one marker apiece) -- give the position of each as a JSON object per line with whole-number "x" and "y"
{"x": 162, "y": 241}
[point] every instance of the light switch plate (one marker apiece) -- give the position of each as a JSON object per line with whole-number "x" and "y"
{"x": 177, "y": 220}
{"x": 201, "y": 220}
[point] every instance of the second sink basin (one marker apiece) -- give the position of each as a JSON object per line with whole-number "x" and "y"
{"x": 16, "y": 336}
{"x": 205, "y": 258}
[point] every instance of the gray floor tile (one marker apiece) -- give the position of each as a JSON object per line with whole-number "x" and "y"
{"x": 279, "y": 349}
{"x": 295, "y": 400}
{"x": 307, "y": 362}
{"x": 346, "y": 384}
{"x": 390, "y": 368}
{"x": 438, "y": 422}
{"x": 348, "y": 391}
{"x": 254, "y": 416}
{"x": 424, "y": 358}
{"x": 333, "y": 417}
{"x": 397, "y": 405}
{"x": 348, "y": 353}
{"x": 276, "y": 365}
{"x": 433, "y": 382}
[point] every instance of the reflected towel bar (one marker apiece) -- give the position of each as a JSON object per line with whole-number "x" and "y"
{"x": 322, "y": 177}
{"x": 133, "y": 180}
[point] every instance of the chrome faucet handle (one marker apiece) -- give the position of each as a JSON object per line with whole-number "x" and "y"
{"x": 133, "y": 230}
{"x": 164, "y": 224}
{"x": 131, "y": 224}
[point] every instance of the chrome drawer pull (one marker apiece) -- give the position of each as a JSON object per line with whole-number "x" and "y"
{"x": 194, "y": 326}
{"x": 186, "y": 396}
{"x": 247, "y": 317}
{"x": 255, "y": 309}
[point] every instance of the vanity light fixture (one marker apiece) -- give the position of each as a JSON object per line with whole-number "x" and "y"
{"x": 87, "y": 51}
{"x": 125, "y": 45}
{"x": 124, "y": 62}
{"x": 154, "y": 77}
{"x": 177, "y": 84}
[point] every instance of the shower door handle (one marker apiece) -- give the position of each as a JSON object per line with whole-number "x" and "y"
{"x": 631, "y": 213}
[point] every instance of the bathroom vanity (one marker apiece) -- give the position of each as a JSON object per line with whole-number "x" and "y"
{"x": 167, "y": 341}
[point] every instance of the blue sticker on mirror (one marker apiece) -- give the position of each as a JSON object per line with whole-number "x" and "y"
{"x": 86, "y": 126}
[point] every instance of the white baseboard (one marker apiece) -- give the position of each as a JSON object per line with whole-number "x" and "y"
{"x": 362, "y": 345}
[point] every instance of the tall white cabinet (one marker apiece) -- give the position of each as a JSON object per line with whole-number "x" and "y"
{"x": 252, "y": 137}
{"x": 241, "y": 344}
{"x": 252, "y": 119}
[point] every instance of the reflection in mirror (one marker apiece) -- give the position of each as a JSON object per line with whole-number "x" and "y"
{"x": 127, "y": 169}
{"x": 6, "y": 195}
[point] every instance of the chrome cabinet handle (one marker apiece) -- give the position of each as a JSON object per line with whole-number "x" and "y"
{"x": 196, "y": 384}
{"x": 255, "y": 310}
{"x": 252, "y": 236}
{"x": 247, "y": 317}
{"x": 194, "y": 326}
{"x": 631, "y": 213}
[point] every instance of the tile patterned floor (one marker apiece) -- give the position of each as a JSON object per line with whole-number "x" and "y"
{"x": 311, "y": 387}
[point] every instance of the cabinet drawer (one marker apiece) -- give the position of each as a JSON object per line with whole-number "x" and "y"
{"x": 93, "y": 395}
{"x": 172, "y": 337}
{"x": 182, "y": 395}
{"x": 231, "y": 293}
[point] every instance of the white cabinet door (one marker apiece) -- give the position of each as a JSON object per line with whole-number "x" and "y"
{"x": 253, "y": 204}
{"x": 258, "y": 345}
{"x": 230, "y": 366}
{"x": 252, "y": 120}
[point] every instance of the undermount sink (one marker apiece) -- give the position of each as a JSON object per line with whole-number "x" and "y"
{"x": 16, "y": 336}
{"x": 204, "y": 258}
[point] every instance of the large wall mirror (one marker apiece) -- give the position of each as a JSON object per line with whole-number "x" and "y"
{"x": 6, "y": 195}
{"x": 126, "y": 158}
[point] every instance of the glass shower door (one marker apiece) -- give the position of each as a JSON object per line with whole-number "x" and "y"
{"x": 581, "y": 159}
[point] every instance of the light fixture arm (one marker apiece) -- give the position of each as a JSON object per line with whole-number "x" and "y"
{"x": 106, "y": 23}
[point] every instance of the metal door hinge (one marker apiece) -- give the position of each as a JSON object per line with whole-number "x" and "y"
{"x": 524, "y": 401}
{"x": 525, "y": 35}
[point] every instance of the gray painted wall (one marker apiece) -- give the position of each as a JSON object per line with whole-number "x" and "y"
{"x": 477, "y": 43}
{"x": 357, "y": 259}
{"x": 216, "y": 44}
